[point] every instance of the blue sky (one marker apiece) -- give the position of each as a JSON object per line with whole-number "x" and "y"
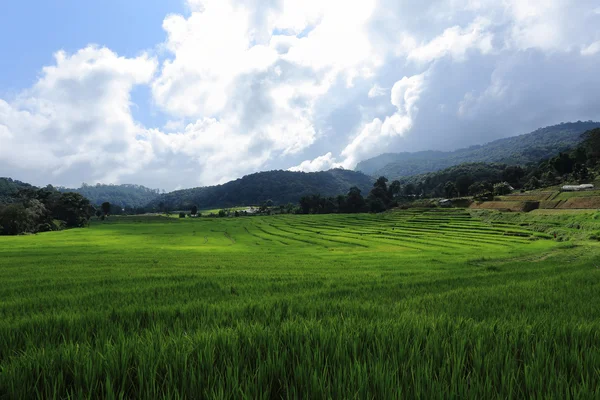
{"x": 34, "y": 29}
{"x": 184, "y": 93}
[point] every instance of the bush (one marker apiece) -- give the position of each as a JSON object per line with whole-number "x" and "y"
{"x": 501, "y": 189}
{"x": 181, "y": 215}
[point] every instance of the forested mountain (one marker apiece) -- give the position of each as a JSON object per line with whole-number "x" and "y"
{"x": 281, "y": 187}
{"x": 518, "y": 150}
{"x": 579, "y": 165}
{"x": 9, "y": 189}
{"x": 125, "y": 196}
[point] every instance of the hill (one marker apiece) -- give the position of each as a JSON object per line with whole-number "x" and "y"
{"x": 126, "y": 196}
{"x": 517, "y": 150}
{"x": 281, "y": 187}
{"x": 9, "y": 188}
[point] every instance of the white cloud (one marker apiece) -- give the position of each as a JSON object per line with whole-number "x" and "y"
{"x": 321, "y": 163}
{"x": 375, "y": 135}
{"x": 77, "y": 117}
{"x": 456, "y": 42}
{"x": 591, "y": 49}
{"x": 377, "y": 91}
{"x": 174, "y": 125}
{"x": 250, "y": 84}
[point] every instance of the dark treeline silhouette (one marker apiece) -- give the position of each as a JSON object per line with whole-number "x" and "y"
{"x": 126, "y": 196}
{"x": 281, "y": 187}
{"x": 481, "y": 180}
{"x": 33, "y": 210}
{"x": 381, "y": 197}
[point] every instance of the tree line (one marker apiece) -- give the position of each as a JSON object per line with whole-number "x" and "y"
{"x": 33, "y": 210}
{"x": 578, "y": 165}
{"x": 483, "y": 181}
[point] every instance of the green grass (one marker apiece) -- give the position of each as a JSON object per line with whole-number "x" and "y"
{"x": 570, "y": 195}
{"x": 413, "y": 304}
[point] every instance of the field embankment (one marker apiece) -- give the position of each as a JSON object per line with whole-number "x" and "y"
{"x": 542, "y": 200}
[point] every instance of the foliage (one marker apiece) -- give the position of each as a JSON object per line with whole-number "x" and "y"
{"x": 406, "y": 304}
{"x": 281, "y": 187}
{"x": 502, "y": 188}
{"x": 120, "y": 196}
{"x": 518, "y": 150}
{"x": 9, "y": 189}
{"x": 480, "y": 179}
{"x": 106, "y": 206}
{"x": 34, "y": 210}
{"x": 459, "y": 180}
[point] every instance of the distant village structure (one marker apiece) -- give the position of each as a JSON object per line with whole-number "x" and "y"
{"x": 445, "y": 203}
{"x": 577, "y": 188}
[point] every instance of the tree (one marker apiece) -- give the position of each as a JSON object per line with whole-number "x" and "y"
{"x": 410, "y": 189}
{"x": 532, "y": 184}
{"x": 513, "y": 175}
{"x": 479, "y": 188}
{"x": 194, "y": 210}
{"x": 376, "y": 205}
{"x": 106, "y": 208}
{"x": 581, "y": 172}
{"x": 182, "y": 215}
{"x": 563, "y": 163}
{"x": 395, "y": 189}
{"x": 591, "y": 145}
{"x": 450, "y": 190}
{"x": 462, "y": 184}
{"x": 502, "y": 188}
{"x": 380, "y": 191}
{"x": 72, "y": 208}
{"x": 14, "y": 219}
{"x": 355, "y": 202}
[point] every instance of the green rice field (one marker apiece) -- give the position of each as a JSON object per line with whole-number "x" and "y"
{"x": 429, "y": 304}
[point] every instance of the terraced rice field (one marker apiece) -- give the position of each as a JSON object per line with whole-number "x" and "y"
{"x": 547, "y": 200}
{"x": 413, "y": 304}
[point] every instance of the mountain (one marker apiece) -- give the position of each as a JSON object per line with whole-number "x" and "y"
{"x": 130, "y": 196}
{"x": 279, "y": 186}
{"x": 521, "y": 150}
{"x": 9, "y": 188}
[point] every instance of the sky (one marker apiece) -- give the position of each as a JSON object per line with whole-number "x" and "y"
{"x": 182, "y": 93}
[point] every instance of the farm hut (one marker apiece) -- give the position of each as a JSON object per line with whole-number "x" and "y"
{"x": 445, "y": 203}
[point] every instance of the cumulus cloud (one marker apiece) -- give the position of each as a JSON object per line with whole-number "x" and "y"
{"x": 321, "y": 163}
{"x": 377, "y": 91}
{"x": 455, "y": 42}
{"x": 247, "y": 85}
{"x": 591, "y": 49}
{"x": 76, "y": 119}
{"x": 377, "y": 134}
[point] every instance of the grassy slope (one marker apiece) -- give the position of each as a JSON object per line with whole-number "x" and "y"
{"x": 398, "y": 305}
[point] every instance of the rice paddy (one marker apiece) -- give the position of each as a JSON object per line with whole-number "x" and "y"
{"x": 413, "y": 304}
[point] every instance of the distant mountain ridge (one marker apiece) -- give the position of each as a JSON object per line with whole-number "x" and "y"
{"x": 126, "y": 195}
{"x": 281, "y": 187}
{"x": 542, "y": 143}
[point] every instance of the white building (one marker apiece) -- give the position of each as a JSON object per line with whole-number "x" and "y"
{"x": 577, "y": 188}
